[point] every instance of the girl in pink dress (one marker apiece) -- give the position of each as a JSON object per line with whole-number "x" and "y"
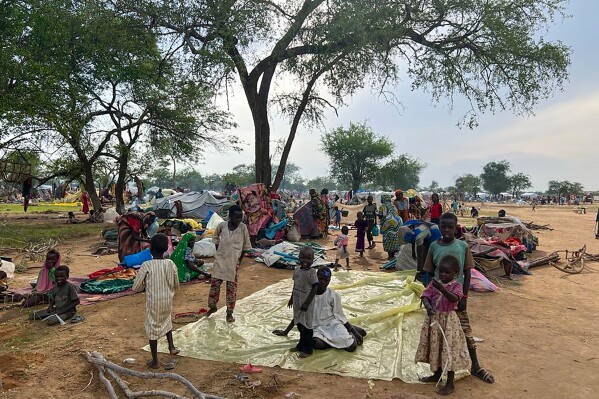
{"x": 442, "y": 341}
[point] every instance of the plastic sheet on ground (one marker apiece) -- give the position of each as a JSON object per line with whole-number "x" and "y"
{"x": 386, "y": 305}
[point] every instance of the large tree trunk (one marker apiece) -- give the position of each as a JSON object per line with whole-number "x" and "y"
{"x": 90, "y": 187}
{"x": 262, "y": 149}
{"x": 119, "y": 188}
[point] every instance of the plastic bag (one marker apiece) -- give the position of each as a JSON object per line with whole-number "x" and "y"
{"x": 214, "y": 221}
{"x": 110, "y": 215}
{"x": 204, "y": 248}
{"x": 293, "y": 235}
{"x": 375, "y": 230}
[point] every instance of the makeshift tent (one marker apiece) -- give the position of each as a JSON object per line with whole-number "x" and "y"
{"x": 256, "y": 204}
{"x": 195, "y": 205}
{"x": 360, "y": 198}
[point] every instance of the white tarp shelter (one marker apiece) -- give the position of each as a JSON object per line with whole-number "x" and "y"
{"x": 195, "y": 205}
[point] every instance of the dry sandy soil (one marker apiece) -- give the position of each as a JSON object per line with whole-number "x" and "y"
{"x": 540, "y": 333}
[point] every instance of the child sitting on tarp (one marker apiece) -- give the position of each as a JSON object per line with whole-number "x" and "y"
{"x": 63, "y": 300}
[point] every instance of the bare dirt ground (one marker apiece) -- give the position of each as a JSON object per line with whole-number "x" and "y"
{"x": 540, "y": 333}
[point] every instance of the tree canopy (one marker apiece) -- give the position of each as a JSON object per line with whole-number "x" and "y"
{"x": 495, "y": 177}
{"x": 519, "y": 182}
{"x": 468, "y": 183}
{"x": 400, "y": 172}
{"x": 564, "y": 187}
{"x": 488, "y": 52}
{"x": 355, "y": 153}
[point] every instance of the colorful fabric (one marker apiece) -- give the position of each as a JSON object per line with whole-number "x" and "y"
{"x": 439, "y": 301}
{"x": 319, "y": 214}
{"x": 231, "y": 293}
{"x": 341, "y": 241}
{"x": 159, "y": 279}
{"x": 390, "y": 223}
{"x": 256, "y": 203}
{"x": 109, "y": 283}
{"x": 433, "y": 349}
{"x": 436, "y": 210}
{"x": 178, "y": 257}
{"x": 45, "y": 278}
{"x": 479, "y": 283}
{"x": 130, "y": 227}
{"x": 304, "y": 219}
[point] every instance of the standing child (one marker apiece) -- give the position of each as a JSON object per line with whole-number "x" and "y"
{"x": 442, "y": 341}
{"x": 337, "y": 217}
{"x": 341, "y": 242}
{"x": 436, "y": 209}
{"x": 362, "y": 226}
{"x": 448, "y": 245}
{"x": 231, "y": 239}
{"x": 159, "y": 278}
{"x": 63, "y": 300}
{"x": 305, "y": 284}
{"x": 370, "y": 215}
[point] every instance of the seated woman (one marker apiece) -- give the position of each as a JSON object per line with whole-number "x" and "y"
{"x": 188, "y": 266}
{"x": 45, "y": 280}
{"x": 331, "y": 328}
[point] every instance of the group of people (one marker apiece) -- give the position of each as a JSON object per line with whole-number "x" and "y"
{"x": 446, "y": 341}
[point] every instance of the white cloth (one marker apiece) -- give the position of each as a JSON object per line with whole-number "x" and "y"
{"x": 329, "y": 320}
{"x": 8, "y": 268}
{"x": 230, "y": 246}
{"x": 160, "y": 280}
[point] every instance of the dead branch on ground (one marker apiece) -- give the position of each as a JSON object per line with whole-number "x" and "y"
{"x": 106, "y": 367}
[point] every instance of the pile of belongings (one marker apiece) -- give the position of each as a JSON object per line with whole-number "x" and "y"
{"x": 285, "y": 255}
{"x": 257, "y": 206}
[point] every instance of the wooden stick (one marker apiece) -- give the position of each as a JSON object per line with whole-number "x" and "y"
{"x": 102, "y": 365}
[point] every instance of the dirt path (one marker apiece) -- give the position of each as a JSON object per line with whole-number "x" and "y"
{"x": 540, "y": 334}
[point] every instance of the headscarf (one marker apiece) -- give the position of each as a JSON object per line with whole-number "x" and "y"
{"x": 178, "y": 256}
{"x": 45, "y": 278}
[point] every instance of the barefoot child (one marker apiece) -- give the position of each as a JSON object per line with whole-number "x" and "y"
{"x": 442, "y": 341}
{"x": 159, "y": 278}
{"x": 305, "y": 284}
{"x": 231, "y": 239}
{"x": 341, "y": 242}
{"x": 63, "y": 300}
{"x": 448, "y": 245}
{"x": 337, "y": 217}
{"x": 361, "y": 225}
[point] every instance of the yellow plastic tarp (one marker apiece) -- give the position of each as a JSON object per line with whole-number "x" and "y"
{"x": 386, "y": 305}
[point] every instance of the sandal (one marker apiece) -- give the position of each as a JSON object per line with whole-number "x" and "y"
{"x": 484, "y": 375}
{"x": 171, "y": 364}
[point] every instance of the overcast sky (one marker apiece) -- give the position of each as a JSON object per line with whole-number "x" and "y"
{"x": 560, "y": 142}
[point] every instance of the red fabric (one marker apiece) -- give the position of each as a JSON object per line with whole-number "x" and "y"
{"x": 436, "y": 211}
{"x": 134, "y": 223}
{"x": 102, "y": 272}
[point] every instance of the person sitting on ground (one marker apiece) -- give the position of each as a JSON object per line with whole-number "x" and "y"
{"x": 193, "y": 263}
{"x": 158, "y": 277}
{"x": 331, "y": 328}
{"x": 72, "y": 218}
{"x": 341, "y": 242}
{"x": 501, "y": 213}
{"x": 63, "y": 302}
{"x": 3, "y": 281}
{"x": 473, "y": 212}
{"x": 45, "y": 280}
{"x": 442, "y": 341}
